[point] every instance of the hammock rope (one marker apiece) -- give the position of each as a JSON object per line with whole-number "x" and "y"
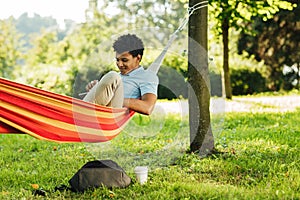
{"x": 158, "y": 61}
{"x": 54, "y": 117}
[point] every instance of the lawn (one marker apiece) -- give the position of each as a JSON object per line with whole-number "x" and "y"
{"x": 258, "y": 158}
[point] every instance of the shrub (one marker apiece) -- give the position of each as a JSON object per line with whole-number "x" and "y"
{"x": 215, "y": 84}
{"x": 172, "y": 84}
{"x": 245, "y": 81}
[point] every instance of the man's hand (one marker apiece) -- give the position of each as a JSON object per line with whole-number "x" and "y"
{"x": 90, "y": 85}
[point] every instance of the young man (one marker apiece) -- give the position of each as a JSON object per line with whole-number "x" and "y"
{"x": 134, "y": 87}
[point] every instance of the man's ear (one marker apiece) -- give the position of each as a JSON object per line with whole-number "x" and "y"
{"x": 139, "y": 57}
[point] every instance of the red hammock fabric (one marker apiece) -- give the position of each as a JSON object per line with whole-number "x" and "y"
{"x": 54, "y": 117}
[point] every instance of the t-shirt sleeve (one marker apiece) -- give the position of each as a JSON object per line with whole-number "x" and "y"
{"x": 150, "y": 85}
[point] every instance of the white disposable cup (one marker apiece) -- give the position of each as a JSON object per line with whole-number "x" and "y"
{"x": 141, "y": 173}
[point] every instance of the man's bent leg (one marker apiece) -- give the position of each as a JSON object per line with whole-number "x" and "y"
{"x": 108, "y": 91}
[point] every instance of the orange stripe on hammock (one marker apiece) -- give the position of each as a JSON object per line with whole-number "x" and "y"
{"x": 54, "y": 117}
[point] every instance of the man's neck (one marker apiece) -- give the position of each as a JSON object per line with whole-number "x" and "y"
{"x": 132, "y": 70}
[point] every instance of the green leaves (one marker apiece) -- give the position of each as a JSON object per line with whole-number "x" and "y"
{"x": 240, "y": 12}
{"x": 10, "y": 48}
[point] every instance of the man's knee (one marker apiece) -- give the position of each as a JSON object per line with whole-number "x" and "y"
{"x": 111, "y": 79}
{"x": 112, "y": 75}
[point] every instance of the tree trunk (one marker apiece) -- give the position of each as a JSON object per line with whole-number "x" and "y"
{"x": 226, "y": 73}
{"x": 201, "y": 137}
{"x": 298, "y": 76}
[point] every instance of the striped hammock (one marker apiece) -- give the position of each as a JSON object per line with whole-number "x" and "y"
{"x": 54, "y": 117}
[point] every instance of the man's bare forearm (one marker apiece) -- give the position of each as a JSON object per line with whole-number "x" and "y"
{"x": 145, "y": 105}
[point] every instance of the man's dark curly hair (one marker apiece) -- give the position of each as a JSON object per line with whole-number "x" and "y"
{"x": 130, "y": 43}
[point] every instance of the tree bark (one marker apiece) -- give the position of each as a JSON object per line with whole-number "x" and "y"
{"x": 226, "y": 72}
{"x": 298, "y": 76}
{"x": 201, "y": 137}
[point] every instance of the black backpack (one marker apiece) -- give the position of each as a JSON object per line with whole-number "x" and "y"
{"x": 99, "y": 173}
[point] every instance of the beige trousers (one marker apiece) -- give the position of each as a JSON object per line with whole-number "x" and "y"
{"x": 108, "y": 91}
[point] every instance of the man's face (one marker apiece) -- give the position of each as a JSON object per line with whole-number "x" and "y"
{"x": 126, "y": 62}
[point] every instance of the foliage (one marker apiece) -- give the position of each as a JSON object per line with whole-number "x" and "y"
{"x": 10, "y": 48}
{"x": 246, "y": 82}
{"x": 234, "y": 14}
{"x": 32, "y": 25}
{"x": 161, "y": 13}
{"x": 158, "y": 19}
{"x": 48, "y": 77}
{"x": 172, "y": 84}
{"x": 276, "y": 42}
{"x": 239, "y": 12}
{"x": 44, "y": 67}
{"x": 172, "y": 78}
{"x": 215, "y": 84}
{"x": 258, "y": 159}
{"x": 43, "y": 48}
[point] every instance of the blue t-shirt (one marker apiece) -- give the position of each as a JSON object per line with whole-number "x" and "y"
{"x": 139, "y": 82}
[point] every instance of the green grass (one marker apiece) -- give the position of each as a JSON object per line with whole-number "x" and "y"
{"x": 259, "y": 159}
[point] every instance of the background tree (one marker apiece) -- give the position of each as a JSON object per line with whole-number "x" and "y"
{"x": 201, "y": 137}
{"x": 234, "y": 14}
{"x": 10, "y": 48}
{"x": 276, "y": 42}
{"x": 160, "y": 13}
{"x": 33, "y": 25}
{"x": 43, "y": 48}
